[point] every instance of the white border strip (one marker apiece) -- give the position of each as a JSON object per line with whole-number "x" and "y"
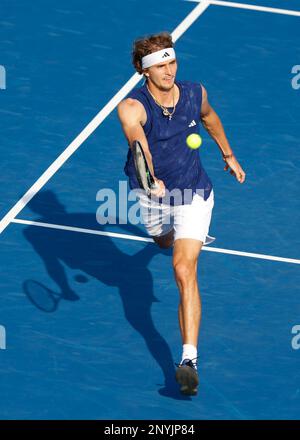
{"x": 83, "y": 230}
{"x": 190, "y": 19}
{"x": 150, "y": 240}
{"x": 253, "y": 7}
{"x": 91, "y": 127}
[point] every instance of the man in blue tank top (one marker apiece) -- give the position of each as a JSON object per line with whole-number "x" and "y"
{"x": 160, "y": 115}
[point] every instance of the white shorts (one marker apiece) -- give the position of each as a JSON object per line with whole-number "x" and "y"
{"x": 188, "y": 221}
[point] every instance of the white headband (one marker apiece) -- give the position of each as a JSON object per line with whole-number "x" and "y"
{"x": 158, "y": 57}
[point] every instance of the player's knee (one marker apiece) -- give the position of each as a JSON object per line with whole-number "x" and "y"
{"x": 185, "y": 271}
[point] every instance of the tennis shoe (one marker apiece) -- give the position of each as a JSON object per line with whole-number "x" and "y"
{"x": 187, "y": 377}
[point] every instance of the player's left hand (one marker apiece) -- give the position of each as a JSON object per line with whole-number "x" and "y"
{"x": 235, "y": 169}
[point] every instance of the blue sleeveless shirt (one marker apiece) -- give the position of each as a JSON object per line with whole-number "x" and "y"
{"x": 174, "y": 163}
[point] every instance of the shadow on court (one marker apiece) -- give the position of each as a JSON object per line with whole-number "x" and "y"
{"x": 97, "y": 257}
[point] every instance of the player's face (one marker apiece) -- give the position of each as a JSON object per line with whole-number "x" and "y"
{"x": 163, "y": 74}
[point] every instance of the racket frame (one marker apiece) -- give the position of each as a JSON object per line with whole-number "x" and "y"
{"x": 137, "y": 149}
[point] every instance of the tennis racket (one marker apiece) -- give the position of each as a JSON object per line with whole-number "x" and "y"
{"x": 143, "y": 173}
{"x": 44, "y": 298}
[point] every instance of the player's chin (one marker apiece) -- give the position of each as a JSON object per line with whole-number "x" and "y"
{"x": 168, "y": 83}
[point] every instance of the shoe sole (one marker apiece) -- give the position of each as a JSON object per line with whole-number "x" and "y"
{"x": 188, "y": 380}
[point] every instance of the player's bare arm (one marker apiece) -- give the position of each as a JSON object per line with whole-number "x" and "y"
{"x": 214, "y": 127}
{"x": 133, "y": 116}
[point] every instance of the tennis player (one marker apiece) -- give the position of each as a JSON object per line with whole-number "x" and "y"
{"x": 160, "y": 115}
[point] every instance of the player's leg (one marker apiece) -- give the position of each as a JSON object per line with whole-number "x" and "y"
{"x": 191, "y": 225}
{"x": 185, "y": 259}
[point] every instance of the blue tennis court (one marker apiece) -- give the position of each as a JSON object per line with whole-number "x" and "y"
{"x": 89, "y": 311}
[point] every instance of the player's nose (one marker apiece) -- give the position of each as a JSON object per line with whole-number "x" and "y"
{"x": 168, "y": 69}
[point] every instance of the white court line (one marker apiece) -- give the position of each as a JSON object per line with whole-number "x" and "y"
{"x": 83, "y": 230}
{"x": 136, "y": 238}
{"x": 253, "y": 7}
{"x": 91, "y": 127}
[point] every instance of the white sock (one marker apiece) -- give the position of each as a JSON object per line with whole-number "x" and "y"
{"x": 189, "y": 351}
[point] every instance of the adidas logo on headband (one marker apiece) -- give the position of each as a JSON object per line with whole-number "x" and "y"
{"x": 157, "y": 57}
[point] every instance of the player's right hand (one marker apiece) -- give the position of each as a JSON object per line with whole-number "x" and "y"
{"x": 160, "y": 189}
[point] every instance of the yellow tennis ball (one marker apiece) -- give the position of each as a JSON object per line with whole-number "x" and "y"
{"x": 194, "y": 141}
